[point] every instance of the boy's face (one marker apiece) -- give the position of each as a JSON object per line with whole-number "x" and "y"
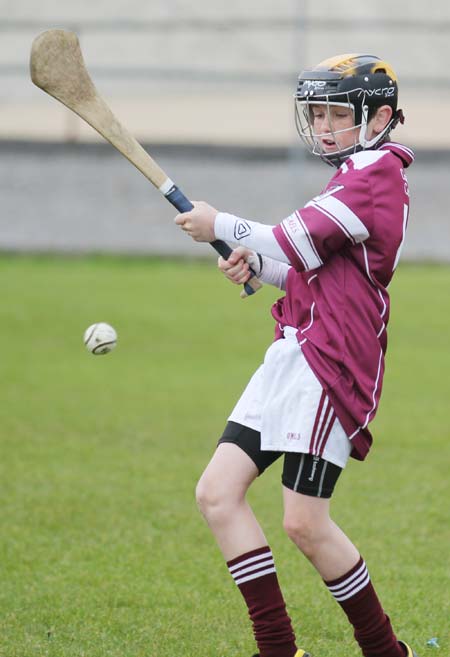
{"x": 333, "y": 127}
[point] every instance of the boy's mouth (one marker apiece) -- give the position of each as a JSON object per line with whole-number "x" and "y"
{"x": 328, "y": 144}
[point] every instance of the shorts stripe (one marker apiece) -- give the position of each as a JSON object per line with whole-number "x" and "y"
{"x": 320, "y": 428}
{"x": 327, "y": 415}
{"x": 299, "y": 474}
{"x": 322, "y": 477}
{"x": 302, "y": 473}
{"x": 317, "y": 421}
{"x": 326, "y": 434}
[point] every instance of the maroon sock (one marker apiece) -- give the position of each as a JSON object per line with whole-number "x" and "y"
{"x": 255, "y": 575}
{"x": 357, "y": 597}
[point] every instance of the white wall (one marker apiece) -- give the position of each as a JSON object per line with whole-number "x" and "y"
{"x": 220, "y": 72}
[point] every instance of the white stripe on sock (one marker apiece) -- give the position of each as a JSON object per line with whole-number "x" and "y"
{"x": 353, "y": 591}
{"x": 352, "y": 585}
{"x": 241, "y": 580}
{"x": 346, "y": 582}
{"x": 253, "y": 567}
{"x": 258, "y": 557}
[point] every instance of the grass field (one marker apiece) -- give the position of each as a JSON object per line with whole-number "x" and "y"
{"x": 103, "y": 553}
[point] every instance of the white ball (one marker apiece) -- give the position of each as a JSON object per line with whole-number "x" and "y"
{"x": 100, "y": 338}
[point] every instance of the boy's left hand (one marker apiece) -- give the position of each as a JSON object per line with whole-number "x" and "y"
{"x": 199, "y": 222}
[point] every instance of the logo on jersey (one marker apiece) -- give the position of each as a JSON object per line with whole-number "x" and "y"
{"x": 328, "y": 192}
{"x": 241, "y": 229}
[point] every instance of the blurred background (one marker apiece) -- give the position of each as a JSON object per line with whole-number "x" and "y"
{"x": 207, "y": 88}
{"x": 102, "y": 550}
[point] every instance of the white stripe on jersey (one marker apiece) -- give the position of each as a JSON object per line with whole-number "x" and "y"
{"x": 308, "y": 234}
{"x": 405, "y": 223}
{"x": 300, "y": 240}
{"x": 400, "y": 147}
{"x": 366, "y": 261}
{"x": 365, "y": 159}
{"x": 383, "y": 325}
{"x": 374, "y": 392}
{"x": 312, "y": 317}
{"x": 383, "y": 302}
{"x": 344, "y": 217}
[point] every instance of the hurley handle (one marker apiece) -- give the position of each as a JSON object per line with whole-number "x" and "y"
{"x": 175, "y": 196}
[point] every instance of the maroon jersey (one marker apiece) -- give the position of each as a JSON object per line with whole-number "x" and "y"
{"x": 344, "y": 246}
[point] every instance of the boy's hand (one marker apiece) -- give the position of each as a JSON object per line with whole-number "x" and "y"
{"x": 237, "y": 268}
{"x": 199, "y": 222}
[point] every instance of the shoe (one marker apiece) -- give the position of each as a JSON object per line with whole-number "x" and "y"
{"x": 302, "y": 653}
{"x": 409, "y": 651}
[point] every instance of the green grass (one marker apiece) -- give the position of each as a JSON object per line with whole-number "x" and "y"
{"x": 103, "y": 553}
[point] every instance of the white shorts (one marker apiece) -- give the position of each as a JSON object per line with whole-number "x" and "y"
{"x": 286, "y": 403}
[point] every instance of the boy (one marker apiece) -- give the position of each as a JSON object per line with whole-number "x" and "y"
{"x": 320, "y": 384}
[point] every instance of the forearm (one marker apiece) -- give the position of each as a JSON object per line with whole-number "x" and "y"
{"x": 273, "y": 272}
{"x": 251, "y": 234}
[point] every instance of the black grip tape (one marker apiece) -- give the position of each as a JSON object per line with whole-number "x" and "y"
{"x": 183, "y": 204}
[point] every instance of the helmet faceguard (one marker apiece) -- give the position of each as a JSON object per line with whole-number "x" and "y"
{"x": 361, "y": 83}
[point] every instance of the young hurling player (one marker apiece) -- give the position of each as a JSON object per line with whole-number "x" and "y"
{"x": 320, "y": 384}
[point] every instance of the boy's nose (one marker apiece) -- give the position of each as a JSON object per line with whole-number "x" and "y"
{"x": 325, "y": 127}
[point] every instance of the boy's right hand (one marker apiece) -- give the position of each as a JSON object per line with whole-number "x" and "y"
{"x": 237, "y": 267}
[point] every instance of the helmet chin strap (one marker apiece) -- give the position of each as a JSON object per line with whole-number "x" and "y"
{"x": 363, "y": 141}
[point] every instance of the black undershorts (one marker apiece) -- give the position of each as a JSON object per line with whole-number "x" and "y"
{"x": 302, "y": 473}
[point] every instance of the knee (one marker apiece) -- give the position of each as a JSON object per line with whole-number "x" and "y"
{"x": 213, "y": 501}
{"x": 306, "y": 532}
{"x": 205, "y": 496}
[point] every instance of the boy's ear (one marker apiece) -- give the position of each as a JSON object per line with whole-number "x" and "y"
{"x": 381, "y": 118}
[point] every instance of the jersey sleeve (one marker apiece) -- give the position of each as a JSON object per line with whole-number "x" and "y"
{"x": 341, "y": 216}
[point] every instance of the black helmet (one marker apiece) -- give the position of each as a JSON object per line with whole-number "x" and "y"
{"x": 360, "y": 82}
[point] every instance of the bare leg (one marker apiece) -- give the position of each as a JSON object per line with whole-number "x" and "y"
{"x": 221, "y": 498}
{"x": 307, "y": 522}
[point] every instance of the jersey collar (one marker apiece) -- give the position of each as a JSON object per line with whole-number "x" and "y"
{"x": 403, "y": 152}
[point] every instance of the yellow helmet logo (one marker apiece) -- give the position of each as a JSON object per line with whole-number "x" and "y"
{"x": 356, "y": 64}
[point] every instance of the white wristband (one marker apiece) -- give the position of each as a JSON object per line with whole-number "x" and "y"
{"x": 274, "y": 272}
{"x": 251, "y": 234}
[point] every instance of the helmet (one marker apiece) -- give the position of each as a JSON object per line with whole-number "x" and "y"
{"x": 361, "y": 83}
